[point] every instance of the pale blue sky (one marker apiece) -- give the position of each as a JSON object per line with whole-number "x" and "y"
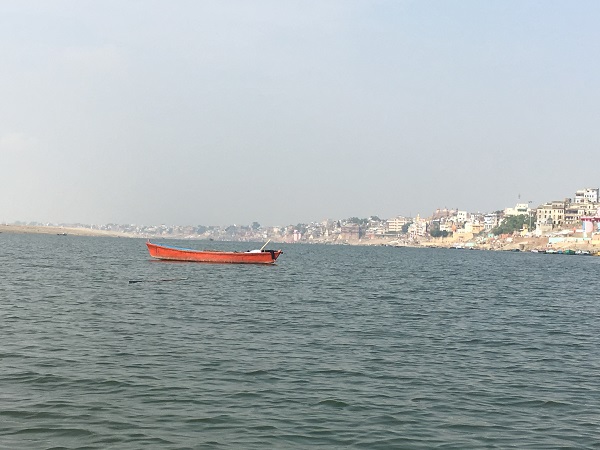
{"x": 221, "y": 112}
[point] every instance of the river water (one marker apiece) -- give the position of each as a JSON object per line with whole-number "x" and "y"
{"x": 335, "y": 346}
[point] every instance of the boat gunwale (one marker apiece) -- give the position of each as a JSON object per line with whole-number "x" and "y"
{"x": 191, "y": 250}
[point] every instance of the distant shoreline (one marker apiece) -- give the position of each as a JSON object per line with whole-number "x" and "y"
{"x": 31, "y": 229}
{"x": 513, "y": 243}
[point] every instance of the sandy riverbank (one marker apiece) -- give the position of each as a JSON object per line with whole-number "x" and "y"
{"x": 28, "y": 229}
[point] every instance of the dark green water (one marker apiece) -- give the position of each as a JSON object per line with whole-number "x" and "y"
{"x": 337, "y": 347}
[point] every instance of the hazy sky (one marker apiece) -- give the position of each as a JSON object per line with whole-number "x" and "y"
{"x": 276, "y": 111}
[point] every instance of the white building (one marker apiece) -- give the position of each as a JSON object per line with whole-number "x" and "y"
{"x": 587, "y": 195}
{"x": 418, "y": 227}
{"x": 395, "y": 225}
{"x": 490, "y": 221}
{"x": 519, "y": 209}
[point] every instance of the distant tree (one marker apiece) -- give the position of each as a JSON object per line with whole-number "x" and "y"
{"x": 374, "y": 219}
{"x": 358, "y": 221}
{"x": 201, "y": 229}
{"x": 436, "y": 232}
{"x": 510, "y": 224}
{"x": 532, "y": 221}
{"x": 255, "y": 226}
{"x": 406, "y": 226}
{"x": 301, "y": 227}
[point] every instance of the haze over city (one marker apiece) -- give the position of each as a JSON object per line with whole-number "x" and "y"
{"x": 221, "y": 112}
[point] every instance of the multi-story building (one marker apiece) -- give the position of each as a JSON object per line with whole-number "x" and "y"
{"x": 474, "y": 227}
{"x": 587, "y": 209}
{"x": 461, "y": 216}
{"x": 447, "y": 225}
{"x": 443, "y": 213}
{"x": 584, "y": 204}
{"x": 519, "y": 209}
{"x": 490, "y": 221}
{"x": 551, "y": 213}
{"x": 587, "y": 195}
{"x": 395, "y": 225}
{"x": 571, "y": 214}
{"x": 351, "y": 231}
{"x": 418, "y": 227}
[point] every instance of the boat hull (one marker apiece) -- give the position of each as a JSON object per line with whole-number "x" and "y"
{"x": 210, "y": 256}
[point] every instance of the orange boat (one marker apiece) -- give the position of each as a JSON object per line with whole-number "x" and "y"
{"x": 261, "y": 256}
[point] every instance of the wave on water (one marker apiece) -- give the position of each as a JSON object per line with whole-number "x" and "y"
{"x": 338, "y": 347}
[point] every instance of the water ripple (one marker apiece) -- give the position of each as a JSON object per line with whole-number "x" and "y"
{"x": 340, "y": 347}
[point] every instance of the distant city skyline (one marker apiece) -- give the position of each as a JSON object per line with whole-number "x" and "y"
{"x": 579, "y": 196}
{"x": 218, "y": 113}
